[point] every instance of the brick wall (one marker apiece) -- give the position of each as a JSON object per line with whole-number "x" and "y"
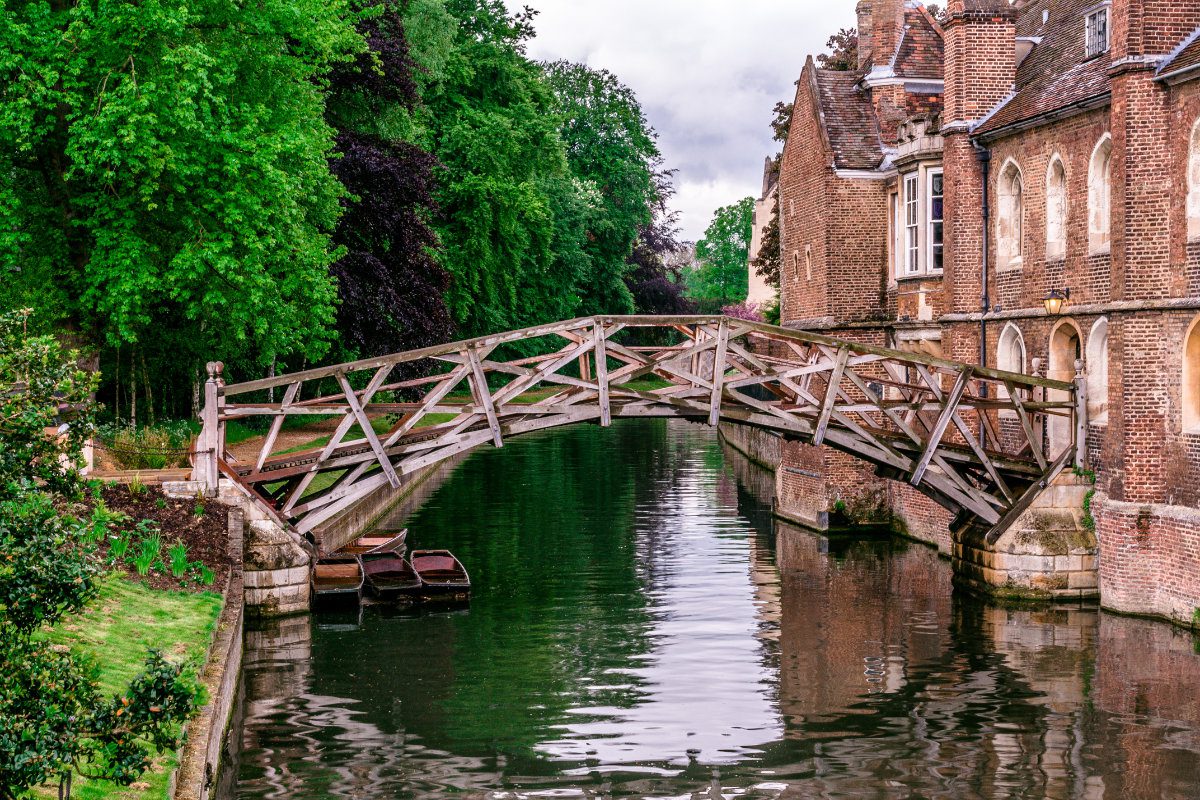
{"x": 803, "y": 209}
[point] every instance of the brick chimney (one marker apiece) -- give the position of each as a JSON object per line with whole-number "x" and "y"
{"x": 887, "y": 23}
{"x": 865, "y": 22}
{"x": 981, "y": 57}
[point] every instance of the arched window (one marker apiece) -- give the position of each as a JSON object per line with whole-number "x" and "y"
{"x": 1010, "y": 352}
{"x": 1096, "y": 363}
{"x": 1010, "y": 224}
{"x": 795, "y": 265}
{"x": 1056, "y": 210}
{"x": 808, "y": 260}
{"x": 1100, "y": 196}
{"x": 1193, "y": 199}
{"x": 1191, "y": 378}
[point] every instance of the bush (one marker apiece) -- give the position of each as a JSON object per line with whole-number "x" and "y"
{"x": 159, "y": 447}
{"x": 52, "y": 718}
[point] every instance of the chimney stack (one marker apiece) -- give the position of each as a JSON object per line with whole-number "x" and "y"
{"x": 981, "y": 57}
{"x": 865, "y": 23}
{"x": 887, "y": 25}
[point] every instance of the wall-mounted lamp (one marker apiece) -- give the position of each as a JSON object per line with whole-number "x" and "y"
{"x": 1055, "y": 299}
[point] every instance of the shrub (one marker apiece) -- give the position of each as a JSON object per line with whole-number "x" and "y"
{"x": 159, "y": 447}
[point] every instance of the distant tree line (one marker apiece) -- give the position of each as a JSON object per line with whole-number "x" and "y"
{"x": 287, "y": 182}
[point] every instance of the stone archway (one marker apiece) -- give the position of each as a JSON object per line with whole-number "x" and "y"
{"x": 1066, "y": 347}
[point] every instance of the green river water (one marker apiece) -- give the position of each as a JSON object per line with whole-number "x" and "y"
{"x": 641, "y": 627}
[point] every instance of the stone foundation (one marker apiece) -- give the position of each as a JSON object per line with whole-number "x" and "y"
{"x": 1049, "y": 553}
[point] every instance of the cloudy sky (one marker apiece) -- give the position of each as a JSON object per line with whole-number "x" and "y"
{"x": 708, "y": 73}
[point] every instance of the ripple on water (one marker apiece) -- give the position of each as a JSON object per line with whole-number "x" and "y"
{"x": 640, "y": 627}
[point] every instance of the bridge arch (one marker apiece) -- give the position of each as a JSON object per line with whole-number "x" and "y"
{"x": 926, "y": 420}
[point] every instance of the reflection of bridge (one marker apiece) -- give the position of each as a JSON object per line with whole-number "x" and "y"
{"x": 932, "y": 422}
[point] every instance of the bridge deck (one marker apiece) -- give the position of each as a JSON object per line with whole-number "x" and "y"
{"x": 971, "y": 438}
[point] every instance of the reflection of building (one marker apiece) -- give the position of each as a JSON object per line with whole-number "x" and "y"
{"x": 764, "y": 208}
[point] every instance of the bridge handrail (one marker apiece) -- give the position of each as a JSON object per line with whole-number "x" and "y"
{"x": 807, "y": 337}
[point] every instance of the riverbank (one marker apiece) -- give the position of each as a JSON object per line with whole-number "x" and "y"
{"x": 115, "y": 631}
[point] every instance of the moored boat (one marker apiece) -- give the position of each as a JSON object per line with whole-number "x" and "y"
{"x": 378, "y": 542}
{"x": 389, "y": 576}
{"x": 442, "y": 575}
{"x": 336, "y": 579}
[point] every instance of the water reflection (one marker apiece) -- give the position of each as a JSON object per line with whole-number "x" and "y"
{"x": 641, "y": 628}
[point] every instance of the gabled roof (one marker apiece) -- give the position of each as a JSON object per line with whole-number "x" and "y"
{"x": 1055, "y": 75}
{"x": 1185, "y": 58}
{"x": 849, "y": 120}
{"x": 921, "y": 53}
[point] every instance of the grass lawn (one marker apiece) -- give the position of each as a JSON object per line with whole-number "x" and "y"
{"x": 117, "y": 629}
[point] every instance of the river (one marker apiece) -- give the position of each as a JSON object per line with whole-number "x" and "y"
{"x": 640, "y": 626}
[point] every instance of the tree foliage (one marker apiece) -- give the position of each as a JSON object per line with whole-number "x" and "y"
{"x": 611, "y": 150}
{"x": 52, "y": 716}
{"x": 721, "y": 277}
{"x": 390, "y": 283}
{"x": 655, "y": 282}
{"x": 151, "y": 170}
{"x": 843, "y": 51}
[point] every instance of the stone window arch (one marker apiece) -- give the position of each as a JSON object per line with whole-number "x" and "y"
{"x": 795, "y": 265}
{"x": 808, "y": 260}
{"x": 1010, "y": 221}
{"x": 1010, "y": 351}
{"x": 1191, "y": 378}
{"x": 1096, "y": 362}
{"x": 1193, "y": 198}
{"x": 1056, "y": 210}
{"x": 1100, "y": 196}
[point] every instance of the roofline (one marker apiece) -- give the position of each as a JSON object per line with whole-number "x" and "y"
{"x": 1065, "y": 112}
{"x": 1179, "y": 75}
{"x": 1174, "y": 54}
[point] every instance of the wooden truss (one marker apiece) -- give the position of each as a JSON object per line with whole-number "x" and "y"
{"x": 970, "y": 438}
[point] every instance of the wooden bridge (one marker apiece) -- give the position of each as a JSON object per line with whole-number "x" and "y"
{"x": 971, "y": 438}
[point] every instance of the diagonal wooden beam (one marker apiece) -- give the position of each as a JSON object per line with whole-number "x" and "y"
{"x": 364, "y": 422}
{"x": 276, "y": 425}
{"x": 949, "y": 409}
{"x": 831, "y": 394}
{"x": 484, "y": 395}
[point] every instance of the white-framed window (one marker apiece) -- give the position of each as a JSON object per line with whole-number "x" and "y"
{"x": 1096, "y": 33}
{"x": 935, "y": 214}
{"x": 912, "y": 224}
{"x": 1096, "y": 363}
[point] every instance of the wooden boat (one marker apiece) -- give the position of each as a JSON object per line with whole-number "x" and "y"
{"x": 442, "y": 575}
{"x": 389, "y": 576}
{"x": 377, "y": 542}
{"x": 336, "y": 579}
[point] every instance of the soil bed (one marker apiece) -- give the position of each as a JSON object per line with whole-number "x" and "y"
{"x": 205, "y": 534}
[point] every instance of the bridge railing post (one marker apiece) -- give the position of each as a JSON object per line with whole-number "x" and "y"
{"x": 1039, "y": 395}
{"x": 211, "y": 442}
{"x": 1081, "y": 421}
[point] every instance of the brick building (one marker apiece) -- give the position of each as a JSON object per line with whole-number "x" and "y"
{"x": 1081, "y": 119}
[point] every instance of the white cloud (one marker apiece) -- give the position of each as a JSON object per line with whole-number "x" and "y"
{"x": 708, "y": 74}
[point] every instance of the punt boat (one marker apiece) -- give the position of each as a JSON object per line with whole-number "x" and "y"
{"x": 442, "y": 575}
{"x": 377, "y": 542}
{"x": 389, "y": 576}
{"x": 336, "y": 579}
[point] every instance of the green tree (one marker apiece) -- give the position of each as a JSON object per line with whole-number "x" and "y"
{"x": 611, "y": 149}
{"x": 721, "y": 276}
{"x": 164, "y": 171}
{"x": 512, "y": 218}
{"x": 52, "y": 716}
